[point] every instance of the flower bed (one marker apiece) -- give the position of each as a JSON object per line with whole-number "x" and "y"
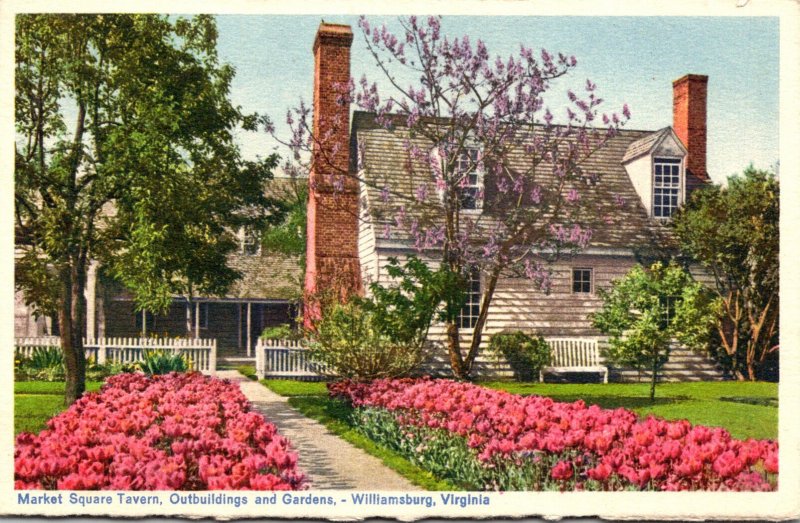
{"x": 489, "y": 439}
{"x": 170, "y": 432}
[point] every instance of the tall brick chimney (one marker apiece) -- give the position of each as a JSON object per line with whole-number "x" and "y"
{"x": 332, "y": 263}
{"x": 689, "y": 94}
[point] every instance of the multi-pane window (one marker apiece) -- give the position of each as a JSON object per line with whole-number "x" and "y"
{"x": 250, "y": 241}
{"x": 472, "y": 306}
{"x": 666, "y": 186}
{"x": 667, "y": 304}
{"x": 203, "y": 314}
{"x": 470, "y": 185}
{"x": 582, "y": 280}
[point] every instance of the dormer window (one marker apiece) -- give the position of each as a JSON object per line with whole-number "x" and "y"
{"x": 471, "y": 179}
{"x": 666, "y": 186}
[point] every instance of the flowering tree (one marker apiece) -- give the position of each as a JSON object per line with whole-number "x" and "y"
{"x": 503, "y": 183}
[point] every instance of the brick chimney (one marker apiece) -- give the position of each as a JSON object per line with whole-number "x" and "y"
{"x": 689, "y": 95}
{"x": 332, "y": 263}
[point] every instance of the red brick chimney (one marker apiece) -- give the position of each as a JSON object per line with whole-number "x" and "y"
{"x": 689, "y": 95}
{"x": 332, "y": 228}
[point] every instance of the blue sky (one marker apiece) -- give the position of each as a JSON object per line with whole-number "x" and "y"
{"x": 274, "y": 64}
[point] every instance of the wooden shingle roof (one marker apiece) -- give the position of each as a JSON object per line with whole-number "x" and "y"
{"x": 618, "y": 219}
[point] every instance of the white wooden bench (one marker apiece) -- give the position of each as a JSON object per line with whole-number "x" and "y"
{"x": 574, "y": 355}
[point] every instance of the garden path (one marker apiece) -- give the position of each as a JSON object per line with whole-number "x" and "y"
{"x": 328, "y": 461}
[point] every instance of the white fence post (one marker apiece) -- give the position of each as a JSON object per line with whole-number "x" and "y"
{"x": 212, "y": 364}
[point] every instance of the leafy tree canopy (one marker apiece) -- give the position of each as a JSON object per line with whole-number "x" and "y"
{"x": 646, "y": 309}
{"x": 733, "y": 232}
{"x": 125, "y": 154}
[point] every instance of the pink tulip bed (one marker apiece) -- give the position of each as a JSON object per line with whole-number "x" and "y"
{"x": 485, "y": 439}
{"x": 173, "y": 432}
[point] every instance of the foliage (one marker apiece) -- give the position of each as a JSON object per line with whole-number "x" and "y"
{"x": 46, "y": 357}
{"x": 526, "y": 354}
{"x": 733, "y": 232}
{"x": 283, "y": 331}
{"x": 125, "y": 154}
{"x": 46, "y": 364}
{"x": 530, "y": 170}
{"x": 172, "y": 432}
{"x": 493, "y": 440}
{"x": 163, "y": 362}
{"x": 416, "y": 296}
{"x": 648, "y": 308}
{"x": 385, "y": 334}
{"x": 289, "y": 236}
{"x": 349, "y": 341}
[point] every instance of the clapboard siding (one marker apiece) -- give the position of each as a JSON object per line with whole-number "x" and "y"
{"x": 367, "y": 254}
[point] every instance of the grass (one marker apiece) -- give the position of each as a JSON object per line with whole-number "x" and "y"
{"x": 746, "y": 409}
{"x": 311, "y": 399}
{"x": 35, "y": 402}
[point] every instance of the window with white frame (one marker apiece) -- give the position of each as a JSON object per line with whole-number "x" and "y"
{"x": 468, "y": 316}
{"x": 471, "y": 183}
{"x": 250, "y": 241}
{"x": 666, "y": 186}
{"x": 582, "y": 281}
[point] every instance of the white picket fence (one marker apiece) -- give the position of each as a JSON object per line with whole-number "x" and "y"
{"x": 201, "y": 352}
{"x": 284, "y": 359}
{"x": 575, "y": 355}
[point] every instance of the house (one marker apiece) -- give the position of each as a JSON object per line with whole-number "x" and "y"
{"x": 267, "y": 295}
{"x": 645, "y": 177}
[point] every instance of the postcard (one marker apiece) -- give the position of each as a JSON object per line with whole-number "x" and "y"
{"x": 344, "y": 261}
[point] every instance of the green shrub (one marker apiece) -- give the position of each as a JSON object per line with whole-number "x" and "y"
{"x": 348, "y": 341}
{"x": 280, "y": 332}
{"x": 46, "y": 358}
{"x": 101, "y": 371}
{"x": 163, "y": 362}
{"x": 526, "y": 354}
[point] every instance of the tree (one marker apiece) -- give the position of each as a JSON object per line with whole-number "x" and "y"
{"x": 733, "y": 233}
{"x": 648, "y": 308}
{"x": 469, "y": 117}
{"x": 384, "y": 335}
{"x": 125, "y": 155}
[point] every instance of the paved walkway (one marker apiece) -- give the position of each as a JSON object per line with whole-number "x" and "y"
{"x": 328, "y": 461}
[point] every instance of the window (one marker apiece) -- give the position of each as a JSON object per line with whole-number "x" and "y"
{"x": 666, "y": 186}
{"x": 470, "y": 185}
{"x": 582, "y": 280}
{"x": 667, "y": 304}
{"x": 203, "y": 311}
{"x": 250, "y": 241}
{"x": 472, "y": 306}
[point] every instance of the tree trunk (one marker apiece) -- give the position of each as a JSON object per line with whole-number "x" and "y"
{"x": 70, "y": 317}
{"x": 454, "y": 351}
{"x": 477, "y": 332}
{"x": 654, "y": 377}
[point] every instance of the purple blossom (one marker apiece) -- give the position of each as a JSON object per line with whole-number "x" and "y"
{"x": 421, "y": 193}
{"x": 573, "y": 196}
{"x": 385, "y": 196}
{"x": 536, "y": 195}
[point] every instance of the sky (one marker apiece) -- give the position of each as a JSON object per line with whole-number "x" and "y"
{"x": 274, "y": 69}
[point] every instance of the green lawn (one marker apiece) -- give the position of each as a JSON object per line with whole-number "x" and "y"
{"x": 35, "y": 402}
{"x": 747, "y": 410}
